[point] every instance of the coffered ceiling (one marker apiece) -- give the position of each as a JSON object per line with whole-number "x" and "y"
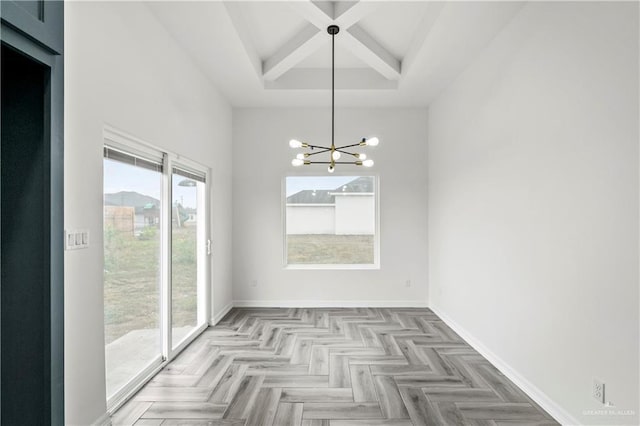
{"x": 388, "y": 53}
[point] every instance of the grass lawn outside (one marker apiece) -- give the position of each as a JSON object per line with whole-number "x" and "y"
{"x": 132, "y": 276}
{"x": 132, "y": 280}
{"x": 330, "y": 249}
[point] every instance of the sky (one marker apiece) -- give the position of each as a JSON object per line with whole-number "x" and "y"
{"x": 124, "y": 177}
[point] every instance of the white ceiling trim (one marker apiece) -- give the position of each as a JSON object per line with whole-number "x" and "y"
{"x": 361, "y": 44}
{"x": 307, "y": 41}
{"x": 429, "y": 19}
{"x": 432, "y": 42}
{"x": 357, "y": 11}
{"x": 318, "y": 79}
{"x": 315, "y": 12}
{"x": 319, "y": 15}
{"x": 239, "y": 23}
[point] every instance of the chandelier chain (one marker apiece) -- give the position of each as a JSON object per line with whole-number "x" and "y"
{"x": 333, "y": 88}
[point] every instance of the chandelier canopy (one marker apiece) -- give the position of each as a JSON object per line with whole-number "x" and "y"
{"x": 335, "y": 153}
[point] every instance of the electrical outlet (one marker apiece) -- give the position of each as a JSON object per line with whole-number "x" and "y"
{"x": 407, "y": 283}
{"x": 254, "y": 283}
{"x": 598, "y": 390}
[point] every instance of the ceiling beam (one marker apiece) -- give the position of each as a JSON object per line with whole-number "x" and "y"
{"x": 233, "y": 9}
{"x": 371, "y": 52}
{"x": 313, "y": 13}
{"x": 321, "y": 14}
{"x": 328, "y": 7}
{"x": 307, "y": 41}
{"x": 348, "y": 13}
{"x": 342, "y": 6}
{"x": 320, "y": 79}
{"x": 431, "y": 14}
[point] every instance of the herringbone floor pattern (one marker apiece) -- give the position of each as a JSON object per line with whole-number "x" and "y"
{"x": 330, "y": 367}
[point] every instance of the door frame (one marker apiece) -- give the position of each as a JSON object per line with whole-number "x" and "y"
{"x": 54, "y": 197}
{"x": 113, "y": 137}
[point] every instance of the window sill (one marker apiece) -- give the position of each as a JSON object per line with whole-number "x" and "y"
{"x": 355, "y": 267}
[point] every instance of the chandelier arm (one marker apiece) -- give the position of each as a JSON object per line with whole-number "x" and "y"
{"x": 309, "y": 154}
{"x": 350, "y": 146}
{"x": 355, "y": 154}
{"x": 334, "y": 162}
{"x": 319, "y": 147}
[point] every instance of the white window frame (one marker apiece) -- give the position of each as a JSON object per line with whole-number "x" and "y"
{"x": 189, "y": 165}
{"x": 333, "y": 266}
{"x": 119, "y": 140}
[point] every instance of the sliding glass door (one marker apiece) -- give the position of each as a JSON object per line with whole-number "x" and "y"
{"x": 188, "y": 252}
{"x": 132, "y": 269}
{"x": 155, "y": 260}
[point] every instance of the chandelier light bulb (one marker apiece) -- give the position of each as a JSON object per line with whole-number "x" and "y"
{"x": 296, "y": 162}
{"x": 361, "y": 156}
{"x": 373, "y": 141}
{"x": 335, "y": 155}
{"x": 367, "y": 163}
{"x": 300, "y": 156}
{"x": 293, "y": 143}
{"x": 331, "y": 169}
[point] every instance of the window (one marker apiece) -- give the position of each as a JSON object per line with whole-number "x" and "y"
{"x": 188, "y": 253}
{"x": 132, "y": 272}
{"x": 331, "y": 222}
{"x": 155, "y": 260}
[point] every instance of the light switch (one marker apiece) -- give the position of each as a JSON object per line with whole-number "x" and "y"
{"x": 76, "y": 239}
{"x": 70, "y": 240}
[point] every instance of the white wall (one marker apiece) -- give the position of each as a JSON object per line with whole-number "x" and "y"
{"x": 355, "y": 214}
{"x": 311, "y": 219}
{"x": 123, "y": 69}
{"x": 350, "y": 215}
{"x": 261, "y": 160}
{"x": 533, "y": 203}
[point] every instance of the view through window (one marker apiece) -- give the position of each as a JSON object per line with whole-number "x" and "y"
{"x": 187, "y": 271}
{"x": 331, "y": 220}
{"x": 150, "y": 253}
{"x": 132, "y": 197}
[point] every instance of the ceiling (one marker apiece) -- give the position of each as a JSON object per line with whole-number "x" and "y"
{"x": 388, "y": 53}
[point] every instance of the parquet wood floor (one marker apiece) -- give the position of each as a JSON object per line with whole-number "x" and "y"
{"x": 330, "y": 367}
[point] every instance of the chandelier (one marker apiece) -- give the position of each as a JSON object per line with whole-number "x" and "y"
{"x": 335, "y": 152}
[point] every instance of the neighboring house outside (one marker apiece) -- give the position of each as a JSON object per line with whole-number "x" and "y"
{"x": 183, "y": 216}
{"x": 120, "y": 218}
{"x": 192, "y": 215}
{"x": 346, "y": 210}
{"x": 130, "y": 211}
{"x": 151, "y": 214}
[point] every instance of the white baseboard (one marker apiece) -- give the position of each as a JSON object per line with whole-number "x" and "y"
{"x": 542, "y": 399}
{"x": 103, "y": 420}
{"x": 219, "y": 315}
{"x": 329, "y": 304}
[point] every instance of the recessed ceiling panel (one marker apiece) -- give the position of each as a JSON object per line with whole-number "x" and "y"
{"x": 270, "y": 24}
{"x": 394, "y": 25}
{"x": 321, "y": 58}
{"x": 266, "y": 53}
